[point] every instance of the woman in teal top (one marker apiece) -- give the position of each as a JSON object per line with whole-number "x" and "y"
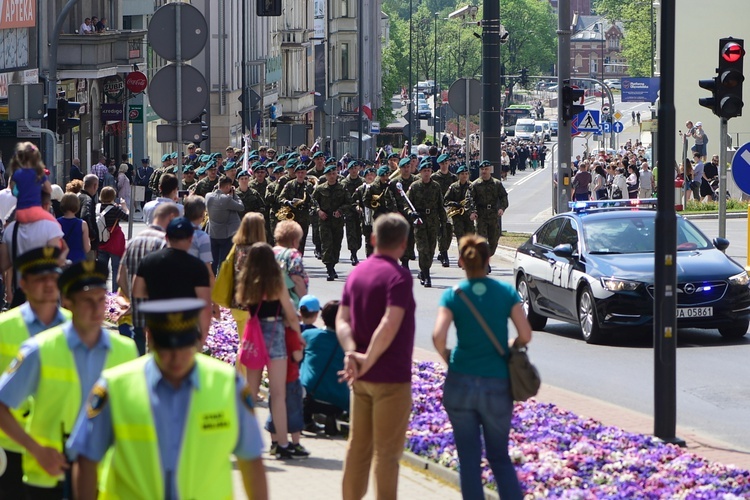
{"x": 477, "y": 393}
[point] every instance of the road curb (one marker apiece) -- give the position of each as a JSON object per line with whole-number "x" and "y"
{"x": 440, "y": 472}
{"x": 730, "y": 215}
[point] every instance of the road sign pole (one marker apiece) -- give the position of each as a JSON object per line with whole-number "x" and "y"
{"x": 564, "y": 140}
{"x": 178, "y": 88}
{"x": 722, "y": 178}
{"x": 466, "y": 140}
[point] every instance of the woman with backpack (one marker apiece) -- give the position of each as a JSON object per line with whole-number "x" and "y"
{"x": 111, "y": 236}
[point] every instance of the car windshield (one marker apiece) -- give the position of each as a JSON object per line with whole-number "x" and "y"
{"x": 636, "y": 235}
{"x": 524, "y": 127}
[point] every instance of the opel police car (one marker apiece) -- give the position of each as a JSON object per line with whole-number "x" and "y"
{"x": 594, "y": 266}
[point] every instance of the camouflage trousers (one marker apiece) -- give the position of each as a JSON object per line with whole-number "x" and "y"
{"x": 426, "y": 236}
{"x": 488, "y": 226}
{"x": 331, "y": 234}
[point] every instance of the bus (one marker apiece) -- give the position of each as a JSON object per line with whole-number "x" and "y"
{"x": 513, "y": 113}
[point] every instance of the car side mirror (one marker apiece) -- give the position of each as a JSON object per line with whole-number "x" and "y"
{"x": 563, "y": 250}
{"x": 721, "y": 243}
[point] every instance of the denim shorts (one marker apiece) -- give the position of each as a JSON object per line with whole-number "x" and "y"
{"x": 294, "y": 418}
{"x": 273, "y": 334}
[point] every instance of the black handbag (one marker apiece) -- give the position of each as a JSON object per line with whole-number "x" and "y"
{"x": 524, "y": 377}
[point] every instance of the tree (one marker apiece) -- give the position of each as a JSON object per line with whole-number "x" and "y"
{"x": 635, "y": 16}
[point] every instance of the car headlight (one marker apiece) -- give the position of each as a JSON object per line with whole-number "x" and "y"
{"x": 739, "y": 279}
{"x": 618, "y": 285}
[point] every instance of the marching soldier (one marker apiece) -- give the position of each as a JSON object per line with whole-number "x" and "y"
{"x": 393, "y": 162}
{"x": 491, "y": 201}
{"x": 353, "y": 220}
{"x": 297, "y": 195}
{"x": 315, "y": 173}
{"x": 406, "y": 179}
{"x": 171, "y": 420}
{"x": 455, "y": 199}
{"x": 332, "y": 201}
{"x": 272, "y": 201}
{"x": 39, "y": 270}
{"x": 166, "y": 164}
{"x": 188, "y": 176}
{"x": 445, "y": 178}
{"x": 319, "y": 165}
{"x": 208, "y": 183}
{"x": 427, "y": 198}
{"x": 57, "y": 368}
{"x": 364, "y": 212}
{"x": 259, "y": 182}
{"x": 251, "y": 198}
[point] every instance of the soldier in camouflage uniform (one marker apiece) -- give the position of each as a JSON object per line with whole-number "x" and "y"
{"x": 297, "y": 194}
{"x": 315, "y": 174}
{"x": 462, "y": 224}
{"x": 353, "y": 220}
{"x": 445, "y": 178}
{"x": 427, "y": 198}
{"x": 249, "y": 197}
{"x": 491, "y": 201}
{"x": 406, "y": 179}
{"x": 259, "y": 181}
{"x": 208, "y": 183}
{"x": 364, "y": 212}
{"x": 188, "y": 176}
{"x": 153, "y": 181}
{"x": 319, "y": 165}
{"x": 271, "y": 201}
{"x": 379, "y": 190}
{"x": 393, "y": 162}
{"x": 332, "y": 202}
{"x": 231, "y": 170}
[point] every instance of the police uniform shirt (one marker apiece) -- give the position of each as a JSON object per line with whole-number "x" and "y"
{"x": 21, "y": 379}
{"x": 93, "y": 436}
{"x": 34, "y": 324}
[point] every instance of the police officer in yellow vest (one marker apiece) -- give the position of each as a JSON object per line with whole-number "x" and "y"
{"x": 171, "y": 419}
{"x": 39, "y": 270}
{"x": 58, "y": 367}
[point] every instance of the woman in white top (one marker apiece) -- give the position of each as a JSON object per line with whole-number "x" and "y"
{"x": 619, "y": 185}
{"x": 123, "y": 184}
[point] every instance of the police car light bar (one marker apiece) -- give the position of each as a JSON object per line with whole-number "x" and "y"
{"x": 582, "y": 206}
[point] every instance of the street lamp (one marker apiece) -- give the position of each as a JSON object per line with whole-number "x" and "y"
{"x": 434, "y": 89}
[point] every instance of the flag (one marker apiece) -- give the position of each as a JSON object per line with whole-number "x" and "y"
{"x": 256, "y": 129}
{"x": 366, "y": 110}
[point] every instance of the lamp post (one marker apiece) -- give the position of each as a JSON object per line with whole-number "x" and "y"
{"x": 411, "y": 71}
{"x": 434, "y": 89}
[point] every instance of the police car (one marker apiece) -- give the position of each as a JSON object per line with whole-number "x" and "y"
{"x": 594, "y": 266}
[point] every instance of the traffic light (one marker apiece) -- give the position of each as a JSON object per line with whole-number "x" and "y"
{"x": 204, "y": 126}
{"x": 267, "y": 8}
{"x": 524, "y": 76}
{"x": 66, "y": 110}
{"x": 570, "y": 97}
{"x": 726, "y": 88}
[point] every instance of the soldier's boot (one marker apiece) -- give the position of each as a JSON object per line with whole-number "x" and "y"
{"x": 318, "y": 254}
{"x": 355, "y": 260}
{"x": 427, "y": 280}
{"x": 445, "y": 260}
{"x": 420, "y": 277}
{"x": 331, "y": 273}
{"x": 405, "y": 263}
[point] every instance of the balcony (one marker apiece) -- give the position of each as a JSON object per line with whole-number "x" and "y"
{"x": 97, "y": 56}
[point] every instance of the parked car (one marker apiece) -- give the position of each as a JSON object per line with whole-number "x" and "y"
{"x": 542, "y": 127}
{"x": 594, "y": 266}
{"x": 553, "y": 127}
{"x": 424, "y": 112}
{"x": 524, "y": 129}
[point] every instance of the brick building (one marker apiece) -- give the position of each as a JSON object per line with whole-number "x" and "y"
{"x": 596, "y": 48}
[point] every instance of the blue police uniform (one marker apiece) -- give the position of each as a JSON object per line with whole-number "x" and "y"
{"x": 93, "y": 436}
{"x": 34, "y": 324}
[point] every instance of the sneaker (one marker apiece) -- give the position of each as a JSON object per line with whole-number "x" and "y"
{"x": 284, "y": 452}
{"x": 298, "y": 451}
{"x": 313, "y": 428}
{"x": 274, "y": 447}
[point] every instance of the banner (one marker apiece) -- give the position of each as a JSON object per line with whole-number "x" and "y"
{"x": 640, "y": 89}
{"x": 17, "y": 14}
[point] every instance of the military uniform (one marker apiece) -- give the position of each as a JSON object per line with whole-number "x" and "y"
{"x": 489, "y": 196}
{"x": 403, "y": 207}
{"x": 353, "y": 219}
{"x": 205, "y": 186}
{"x": 385, "y": 200}
{"x": 272, "y": 204}
{"x": 446, "y": 231}
{"x": 167, "y": 441}
{"x": 335, "y": 202}
{"x": 299, "y": 191}
{"x": 462, "y": 224}
{"x": 427, "y": 198}
{"x": 364, "y": 213}
{"x": 252, "y": 200}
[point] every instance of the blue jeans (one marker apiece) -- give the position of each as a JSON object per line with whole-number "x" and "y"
{"x": 220, "y": 248}
{"x": 481, "y": 406}
{"x": 104, "y": 257}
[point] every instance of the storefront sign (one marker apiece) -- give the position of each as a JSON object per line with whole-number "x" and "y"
{"x": 17, "y": 14}
{"x": 113, "y": 86}
{"x": 135, "y": 114}
{"x": 136, "y": 82}
{"x": 113, "y": 112}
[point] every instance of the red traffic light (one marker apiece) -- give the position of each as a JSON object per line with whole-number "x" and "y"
{"x": 732, "y": 52}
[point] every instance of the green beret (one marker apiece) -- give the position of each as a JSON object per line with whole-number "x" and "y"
{"x": 211, "y": 164}
{"x": 426, "y": 163}
{"x": 393, "y": 156}
{"x": 352, "y": 164}
{"x": 252, "y": 157}
{"x": 278, "y": 168}
{"x": 204, "y": 158}
{"x": 329, "y": 168}
{"x": 254, "y": 152}
{"x": 257, "y": 166}
{"x": 404, "y": 162}
{"x": 230, "y": 166}
{"x": 243, "y": 173}
{"x": 462, "y": 168}
{"x": 201, "y": 170}
{"x": 173, "y": 155}
{"x": 292, "y": 163}
{"x": 281, "y": 157}
{"x": 319, "y": 154}
{"x": 485, "y": 163}
{"x": 443, "y": 157}
{"x": 166, "y": 157}
{"x": 383, "y": 171}
{"x": 300, "y": 167}
{"x": 413, "y": 156}
{"x": 331, "y": 161}
{"x": 370, "y": 170}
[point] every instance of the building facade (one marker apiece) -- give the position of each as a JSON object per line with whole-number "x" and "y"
{"x": 596, "y": 48}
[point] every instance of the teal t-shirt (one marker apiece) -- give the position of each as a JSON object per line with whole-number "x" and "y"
{"x": 474, "y": 353}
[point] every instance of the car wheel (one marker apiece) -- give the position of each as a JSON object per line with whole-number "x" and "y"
{"x": 590, "y": 329}
{"x": 537, "y": 321}
{"x": 735, "y": 331}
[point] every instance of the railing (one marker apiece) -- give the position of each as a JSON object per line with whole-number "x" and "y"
{"x": 101, "y": 51}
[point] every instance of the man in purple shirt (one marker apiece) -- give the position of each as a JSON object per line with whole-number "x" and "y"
{"x": 375, "y": 327}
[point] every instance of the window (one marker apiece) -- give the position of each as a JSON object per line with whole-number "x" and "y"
{"x": 344, "y": 61}
{"x": 344, "y": 8}
{"x": 547, "y": 235}
{"x": 579, "y": 61}
{"x": 594, "y": 63}
{"x": 569, "y": 234}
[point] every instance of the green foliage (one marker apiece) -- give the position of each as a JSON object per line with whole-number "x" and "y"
{"x": 713, "y": 206}
{"x": 635, "y": 16}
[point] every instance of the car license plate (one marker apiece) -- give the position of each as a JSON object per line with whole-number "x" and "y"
{"x": 695, "y": 312}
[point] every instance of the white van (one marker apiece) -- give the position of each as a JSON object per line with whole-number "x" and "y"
{"x": 525, "y": 129}
{"x": 543, "y": 129}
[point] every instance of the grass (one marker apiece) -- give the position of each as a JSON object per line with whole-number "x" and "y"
{"x": 733, "y": 205}
{"x": 513, "y": 240}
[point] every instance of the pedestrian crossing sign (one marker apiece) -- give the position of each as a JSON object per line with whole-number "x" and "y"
{"x": 588, "y": 121}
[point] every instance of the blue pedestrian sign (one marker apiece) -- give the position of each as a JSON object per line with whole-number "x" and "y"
{"x": 741, "y": 168}
{"x": 588, "y": 121}
{"x": 607, "y": 127}
{"x": 618, "y": 127}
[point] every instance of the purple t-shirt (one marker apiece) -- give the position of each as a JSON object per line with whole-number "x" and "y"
{"x": 373, "y": 285}
{"x": 29, "y": 189}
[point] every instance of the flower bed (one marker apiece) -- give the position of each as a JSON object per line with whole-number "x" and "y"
{"x": 561, "y": 455}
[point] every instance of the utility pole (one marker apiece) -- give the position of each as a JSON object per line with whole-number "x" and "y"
{"x": 564, "y": 141}
{"x": 361, "y": 79}
{"x": 492, "y": 111}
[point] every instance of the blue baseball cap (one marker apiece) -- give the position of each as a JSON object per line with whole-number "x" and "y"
{"x": 310, "y": 303}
